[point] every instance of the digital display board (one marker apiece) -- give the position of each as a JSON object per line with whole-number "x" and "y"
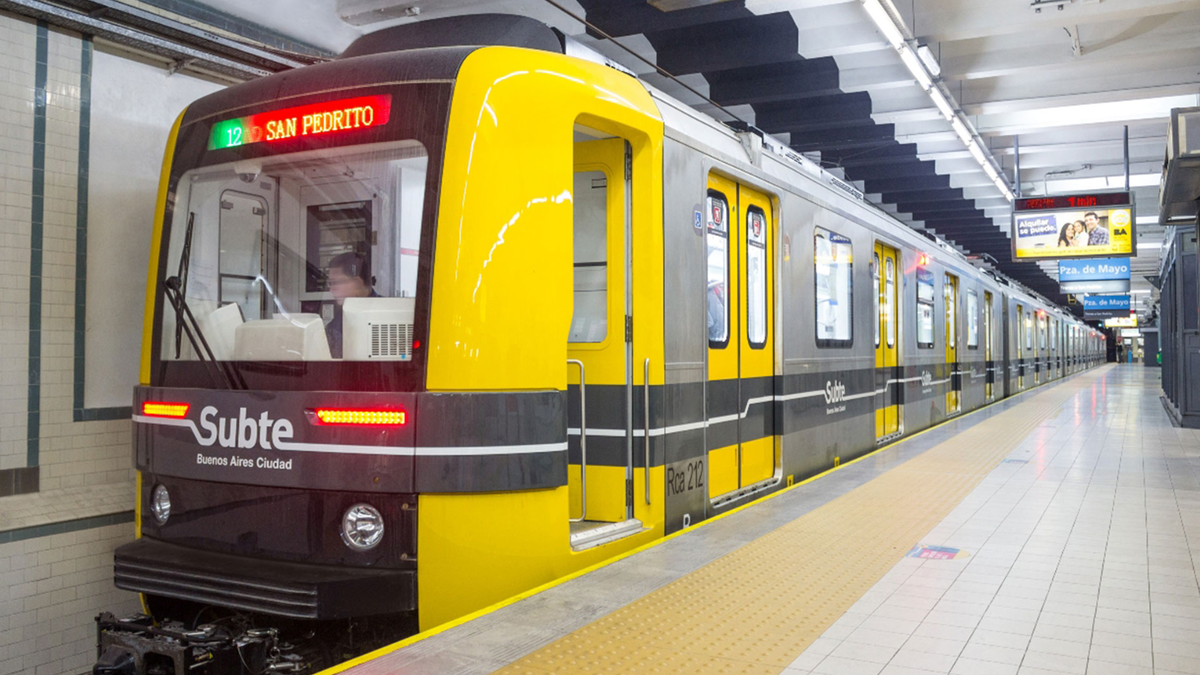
{"x": 1122, "y": 322}
{"x": 1074, "y": 226}
{"x": 330, "y": 117}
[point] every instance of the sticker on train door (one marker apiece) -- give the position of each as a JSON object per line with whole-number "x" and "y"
{"x": 698, "y": 219}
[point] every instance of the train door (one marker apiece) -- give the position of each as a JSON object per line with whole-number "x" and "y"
{"x": 1019, "y": 327}
{"x": 739, "y": 245}
{"x": 989, "y": 382}
{"x": 599, "y": 351}
{"x": 887, "y": 398}
{"x": 1028, "y": 357}
{"x": 954, "y": 393}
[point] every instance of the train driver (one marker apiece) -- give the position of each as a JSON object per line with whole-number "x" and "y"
{"x": 349, "y": 277}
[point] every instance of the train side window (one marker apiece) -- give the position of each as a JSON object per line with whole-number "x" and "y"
{"x": 878, "y": 292}
{"x": 972, "y": 320}
{"x": 590, "y": 320}
{"x": 717, "y": 255}
{"x": 833, "y": 266}
{"x": 925, "y": 300}
{"x": 756, "y": 277}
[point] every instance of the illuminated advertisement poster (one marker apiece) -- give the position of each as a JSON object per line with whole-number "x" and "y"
{"x": 1094, "y": 275}
{"x": 1074, "y": 226}
{"x": 1122, "y": 322}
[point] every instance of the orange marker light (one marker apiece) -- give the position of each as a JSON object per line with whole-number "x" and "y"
{"x": 160, "y": 409}
{"x": 923, "y": 259}
{"x": 345, "y": 416}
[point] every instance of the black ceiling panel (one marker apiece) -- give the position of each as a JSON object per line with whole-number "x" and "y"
{"x": 754, "y": 60}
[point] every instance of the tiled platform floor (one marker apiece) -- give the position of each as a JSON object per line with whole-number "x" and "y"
{"x": 1082, "y": 555}
{"x": 1077, "y": 544}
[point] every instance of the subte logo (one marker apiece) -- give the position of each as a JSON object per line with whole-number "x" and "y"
{"x": 835, "y": 392}
{"x": 926, "y": 378}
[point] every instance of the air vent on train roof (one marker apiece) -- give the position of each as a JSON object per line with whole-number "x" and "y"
{"x": 459, "y": 31}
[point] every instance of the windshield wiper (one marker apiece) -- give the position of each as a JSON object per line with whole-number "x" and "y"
{"x": 185, "y": 322}
{"x": 220, "y": 372}
{"x": 185, "y": 263}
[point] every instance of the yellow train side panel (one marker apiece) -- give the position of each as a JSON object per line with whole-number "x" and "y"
{"x": 476, "y": 550}
{"x": 500, "y": 314}
{"x": 502, "y": 303}
{"x": 160, "y": 210}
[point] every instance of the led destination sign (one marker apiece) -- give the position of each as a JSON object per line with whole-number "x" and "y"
{"x": 1073, "y": 226}
{"x": 316, "y": 119}
{"x": 1072, "y": 201}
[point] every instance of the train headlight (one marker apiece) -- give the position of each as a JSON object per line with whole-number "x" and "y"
{"x": 362, "y": 527}
{"x": 160, "y": 504}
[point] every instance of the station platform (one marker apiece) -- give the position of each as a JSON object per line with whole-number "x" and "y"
{"x": 1054, "y": 532}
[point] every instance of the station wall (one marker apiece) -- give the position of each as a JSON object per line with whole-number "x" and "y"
{"x": 82, "y": 130}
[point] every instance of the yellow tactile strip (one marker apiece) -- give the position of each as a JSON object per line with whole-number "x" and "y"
{"x": 757, "y": 608}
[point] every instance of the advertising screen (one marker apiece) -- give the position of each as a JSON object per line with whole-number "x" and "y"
{"x": 1122, "y": 322}
{"x": 1075, "y": 226}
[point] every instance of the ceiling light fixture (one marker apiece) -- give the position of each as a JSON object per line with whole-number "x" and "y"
{"x": 923, "y": 66}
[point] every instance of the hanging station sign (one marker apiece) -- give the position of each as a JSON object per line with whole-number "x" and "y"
{"x": 330, "y": 117}
{"x": 1106, "y": 306}
{"x": 1074, "y": 226}
{"x": 1094, "y": 275}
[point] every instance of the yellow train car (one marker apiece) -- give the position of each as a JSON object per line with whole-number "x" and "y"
{"x": 431, "y": 325}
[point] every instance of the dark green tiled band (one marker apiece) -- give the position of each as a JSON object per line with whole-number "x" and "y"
{"x": 23, "y": 533}
{"x": 36, "y": 235}
{"x": 81, "y": 413}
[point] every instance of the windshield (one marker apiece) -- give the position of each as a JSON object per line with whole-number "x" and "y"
{"x": 310, "y": 256}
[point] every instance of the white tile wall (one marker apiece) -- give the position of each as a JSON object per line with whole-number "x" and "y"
{"x": 17, "y": 52}
{"x": 50, "y": 587}
{"x": 50, "y": 590}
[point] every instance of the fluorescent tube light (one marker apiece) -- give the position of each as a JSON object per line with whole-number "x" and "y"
{"x": 943, "y": 106}
{"x": 883, "y": 21}
{"x": 915, "y": 67}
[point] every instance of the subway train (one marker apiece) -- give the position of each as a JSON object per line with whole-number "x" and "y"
{"x": 471, "y": 308}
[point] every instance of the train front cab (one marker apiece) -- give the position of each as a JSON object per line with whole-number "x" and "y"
{"x": 485, "y": 215}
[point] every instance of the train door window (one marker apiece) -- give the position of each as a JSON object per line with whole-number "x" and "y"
{"x": 241, "y": 267}
{"x": 889, "y": 300}
{"x": 972, "y": 319}
{"x": 925, "y": 300}
{"x": 1028, "y": 331}
{"x": 717, "y": 255}
{"x": 1042, "y": 332}
{"x": 756, "y": 278}
{"x": 589, "y": 322}
{"x": 875, "y": 276}
{"x": 948, "y": 289}
{"x": 833, "y": 264}
{"x": 989, "y": 380}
